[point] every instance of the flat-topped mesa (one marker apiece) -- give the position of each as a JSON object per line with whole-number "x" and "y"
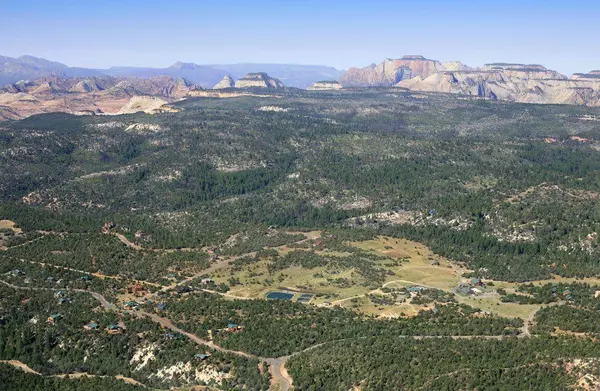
{"x": 226, "y": 82}
{"x": 184, "y": 65}
{"x": 259, "y": 80}
{"x": 390, "y": 72}
{"x": 325, "y": 85}
{"x": 506, "y": 65}
{"x": 591, "y": 76}
{"x": 525, "y": 71}
{"x": 414, "y": 57}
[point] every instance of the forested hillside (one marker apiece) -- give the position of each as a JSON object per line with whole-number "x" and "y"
{"x": 362, "y": 239}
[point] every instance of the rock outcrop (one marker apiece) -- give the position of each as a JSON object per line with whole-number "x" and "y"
{"x": 390, "y": 72}
{"x": 108, "y": 95}
{"x": 146, "y": 104}
{"x": 513, "y": 82}
{"x": 259, "y": 80}
{"x": 226, "y": 82}
{"x": 325, "y": 85}
{"x": 455, "y": 66}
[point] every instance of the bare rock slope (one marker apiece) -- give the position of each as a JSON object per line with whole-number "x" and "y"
{"x": 91, "y": 95}
{"x": 513, "y": 82}
{"x": 527, "y": 83}
{"x": 226, "y": 82}
{"x": 325, "y": 85}
{"x": 259, "y": 80}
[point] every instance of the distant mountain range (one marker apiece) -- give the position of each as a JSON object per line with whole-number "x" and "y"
{"x": 13, "y": 70}
{"x": 527, "y": 83}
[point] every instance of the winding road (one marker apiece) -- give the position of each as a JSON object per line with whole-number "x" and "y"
{"x": 277, "y": 368}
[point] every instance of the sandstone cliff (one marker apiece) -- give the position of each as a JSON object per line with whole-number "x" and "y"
{"x": 513, "y": 82}
{"x": 258, "y": 80}
{"x": 226, "y": 82}
{"x": 390, "y": 72}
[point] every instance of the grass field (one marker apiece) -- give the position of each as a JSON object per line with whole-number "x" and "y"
{"x": 418, "y": 266}
{"x": 495, "y": 306}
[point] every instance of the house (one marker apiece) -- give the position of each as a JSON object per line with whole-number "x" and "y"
{"x": 171, "y": 275}
{"x": 171, "y": 336}
{"x": 64, "y": 300}
{"x": 201, "y": 357}
{"x": 113, "y": 329}
{"x": 183, "y": 289}
{"x": 161, "y": 306}
{"x": 476, "y": 281}
{"x": 53, "y": 318}
{"x": 136, "y": 289}
{"x": 16, "y": 273}
{"x": 59, "y": 294}
{"x": 91, "y": 326}
{"x": 415, "y": 289}
{"x": 85, "y": 278}
{"x": 2, "y": 320}
{"x": 107, "y": 227}
{"x": 131, "y": 305}
{"x": 207, "y": 281}
{"x": 234, "y": 327}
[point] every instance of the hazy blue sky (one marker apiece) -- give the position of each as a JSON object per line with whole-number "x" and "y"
{"x": 563, "y": 35}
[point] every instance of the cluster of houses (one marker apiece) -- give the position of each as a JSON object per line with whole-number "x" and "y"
{"x": 475, "y": 286}
{"x": 111, "y": 329}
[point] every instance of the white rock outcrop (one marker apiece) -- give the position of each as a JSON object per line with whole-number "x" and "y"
{"x": 226, "y": 82}
{"x": 325, "y": 85}
{"x": 259, "y": 80}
